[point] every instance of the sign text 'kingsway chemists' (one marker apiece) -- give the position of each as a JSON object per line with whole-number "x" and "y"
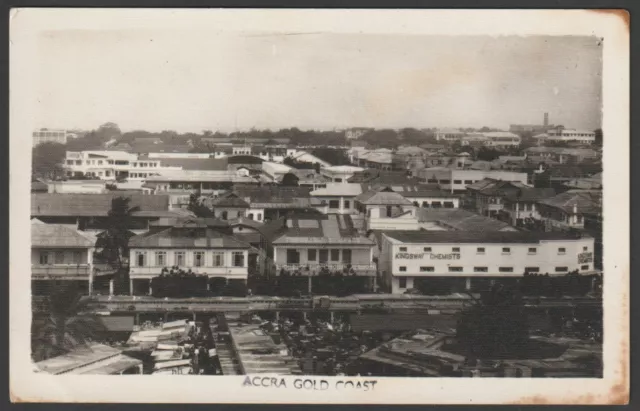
{"x": 432, "y": 256}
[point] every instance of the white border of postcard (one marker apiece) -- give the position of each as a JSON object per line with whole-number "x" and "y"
{"x": 613, "y": 26}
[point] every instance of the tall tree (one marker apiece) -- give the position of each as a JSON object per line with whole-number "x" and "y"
{"x": 495, "y": 326}
{"x": 598, "y": 137}
{"x": 47, "y": 159}
{"x": 197, "y": 207}
{"x": 67, "y": 324}
{"x": 290, "y": 179}
{"x": 114, "y": 242}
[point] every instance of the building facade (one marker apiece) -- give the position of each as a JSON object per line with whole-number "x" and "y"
{"x": 52, "y": 136}
{"x": 410, "y": 256}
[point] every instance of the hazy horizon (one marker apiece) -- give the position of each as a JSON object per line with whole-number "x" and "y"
{"x": 189, "y": 81}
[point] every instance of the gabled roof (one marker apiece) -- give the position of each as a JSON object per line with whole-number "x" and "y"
{"x": 586, "y": 202}
{"x": 56, "y": 235}
{"x": 314, "y": 229}
{"x": 229, "y": 200}
{"x": 245, "y": 222}
{"x": 174, "y": 237}
{"x": 382, "y": 196}
{"x": 411, "y": 190}
{"x": 189, "y": 222}
{"x": 95, "y": 205}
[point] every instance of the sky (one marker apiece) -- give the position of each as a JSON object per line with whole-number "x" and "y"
{"x": 194, "y": 80}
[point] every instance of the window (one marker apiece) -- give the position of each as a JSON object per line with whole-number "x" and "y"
{"x": 293, "y": 256}
{"x": 432, "y": 180}
{"x": 455, "y": 269}
{"x": 585, "y": 248}
{"x": 426, "y": 269}
{"x": 468, "y": 182}
{"x": 562, "y": 250}
{"x": 506, "y": 250}
{"x": 445, "y": 181}
{"x": 480, "y": 269}
{"x": 533, "y": 250}
{"x": 44, "y": 257}
{"x": 562, "y": 269}
{"x": 427, "y": 249}
{"x": 59, "y": 257}
{"x": 403, "y": 249}
{"x": 584, "y": 267}
{"x": 457, "y": 181}
{"x": 198, "y": 258}
{"x": 311, "y": 255}
{"x": 250, "y": 216}
{"x": 347, "y": 204}
{"x": 346, "y": 256}
{"x": 69, "y": 162}
{"x": 335, "y": 255}
{"x": 259, "y": 218}
{"x": 448, "y": 204}
{"x": 218, "y": 259}
{"x": 161, "y": 258}
{"x": 238, "y": 258}
{"x": 480, "y": 250}
{"x": 76, "y": 257}
{"x": 323, "y": 256}
{"x": 425, "y": 204}
{"x": 179, "y": 258}
{"x": 403, "y": 269}
{"x": 334, "y": 204}
{"x": 531, "y": 269}
{"x": 455, "y": 250}
{"x": 338, "y": 180}
{"x": 141, "y": 258}
{"x": 224, "y": 215}
{"x": 505, "y": 269}
{"x": 436, "y": 204}
{"x": 402, "y": 282}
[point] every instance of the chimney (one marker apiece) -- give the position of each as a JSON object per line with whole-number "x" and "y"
{"x": 546, "y": 119}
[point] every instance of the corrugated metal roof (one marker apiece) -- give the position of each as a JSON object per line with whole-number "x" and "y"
{"x": 177, "y": 237}
{"x": 499, "y": 237}
{"x": 55, "y": 235}
{"x": 459, "y": 219}
{"x": 55, "y": 204}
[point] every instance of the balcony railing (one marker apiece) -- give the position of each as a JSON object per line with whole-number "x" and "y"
{"x": 75, "y": 270}
{"x": 224, "y": 271}
{"x": 367, "y": 269}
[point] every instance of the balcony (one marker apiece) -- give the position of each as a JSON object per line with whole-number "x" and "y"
{"x": 305, "y": 269}
{"x": 61, "y": 271}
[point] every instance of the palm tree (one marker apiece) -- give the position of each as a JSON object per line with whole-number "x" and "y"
{"x": 67, "y": 325}
{"x": 114, "y": 242}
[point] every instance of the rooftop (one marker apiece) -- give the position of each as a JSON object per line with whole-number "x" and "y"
{"x": 459, "y": 219}
{"x": 55, "y": 235}
{"x": 478, "y": 236}
{"x": 338, "y": 189}
{"x": 93, "y": 205}
{"x": 229, "y": 200}
{"x": 201, "y": 175}
{"x": 246, "y": 222}
{"x": 258, "y": 353}
{"x": 195, "y": 163}
{"x": 181, "y": 237}
{"x": 382, "y": 196}
{"x": 585, "y": 201}
{"x": 93, "y": 359}
{"x": 314, "y": 229}
{"x": 412, "y": 190}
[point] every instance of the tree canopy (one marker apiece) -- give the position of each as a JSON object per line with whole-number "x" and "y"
{"x": 47, "y": 159}
{"x": 496, "y": 326}
{"x": 332, "y": 156}
{"x": 290, "y": 180}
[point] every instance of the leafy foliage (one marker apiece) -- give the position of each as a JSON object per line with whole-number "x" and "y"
{"x": 332, "y": 156}
{"x": 495, "y": 326}
{"x": 197, "y": 207}
{"x": 67, "y": 326}
{"x": 289, "y": 180}
{"x": 113, "y": 243}
{"x": 47, "y": 160}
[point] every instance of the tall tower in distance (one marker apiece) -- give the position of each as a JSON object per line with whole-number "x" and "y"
{"x": 546, "y": 119}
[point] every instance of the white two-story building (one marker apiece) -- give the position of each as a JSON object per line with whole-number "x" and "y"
{"x": 204, "y": 246}
{"x": 467, "y": 257}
